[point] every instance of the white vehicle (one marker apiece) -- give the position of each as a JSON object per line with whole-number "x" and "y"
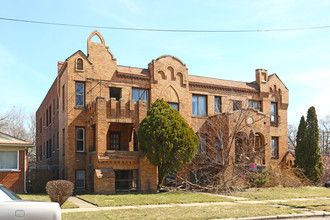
{"x": 13, "y": 207}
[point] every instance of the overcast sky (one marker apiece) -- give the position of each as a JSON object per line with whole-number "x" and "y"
{"x": 29, "y": 52}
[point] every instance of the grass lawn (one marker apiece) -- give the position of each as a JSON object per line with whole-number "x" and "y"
{"x": 150, "y": 199}
{"x": 45, "y": 198}
{"x": 284, "y": 193}
{"x": 320, "y": 204}
{"x": 190, "y": 212}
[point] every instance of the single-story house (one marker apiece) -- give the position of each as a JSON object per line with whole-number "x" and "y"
{"x": 14, "y": 162}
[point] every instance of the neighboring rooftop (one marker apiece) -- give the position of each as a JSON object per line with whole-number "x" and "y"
{"x": 6, "y": 139}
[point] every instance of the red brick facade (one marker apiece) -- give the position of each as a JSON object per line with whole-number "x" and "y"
{"x": 14, "y": 178}
{"x": 99, "y": 114}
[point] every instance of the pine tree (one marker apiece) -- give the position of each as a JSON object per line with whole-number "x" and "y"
{"x": 300, "y": 150}
{"x": 166, "y": 138}
{"x": 308, "y": 156}
{"x": 315, "y": 167}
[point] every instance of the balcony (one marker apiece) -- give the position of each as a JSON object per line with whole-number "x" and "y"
{"x": 121, "y": 111}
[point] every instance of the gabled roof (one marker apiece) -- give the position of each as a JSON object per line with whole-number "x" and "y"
{"x": 81, "y": 53}
{"x": 8, "y": 140}
{"x": 275, "y": 75}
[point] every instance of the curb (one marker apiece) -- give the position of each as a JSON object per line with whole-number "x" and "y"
{"x": 322, "y": 214}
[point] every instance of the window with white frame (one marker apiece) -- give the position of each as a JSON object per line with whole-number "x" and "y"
{"x": 9, "y": 160}
{"x": 80, "y": 179}
{"x": 274, "y": 117}
{"x": 274, "y": 147}
{"x": 199, "y": 105}
{"x": 80, "y": 139}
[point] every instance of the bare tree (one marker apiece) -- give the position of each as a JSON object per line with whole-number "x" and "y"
{"x": 324, "y": 140}
{"x": 228, "y": 145}
{"x": 292, "y": 137}
{"x": 17, "y": 124}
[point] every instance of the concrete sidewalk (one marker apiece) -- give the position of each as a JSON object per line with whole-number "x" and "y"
{"x": 88, "y": 207}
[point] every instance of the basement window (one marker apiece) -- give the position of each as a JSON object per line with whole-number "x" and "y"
{"x": 80, "y": 179}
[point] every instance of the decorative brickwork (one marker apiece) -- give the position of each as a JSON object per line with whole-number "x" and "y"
{"x": 104, "y": 128}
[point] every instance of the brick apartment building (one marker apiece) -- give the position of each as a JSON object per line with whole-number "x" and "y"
{"x": 87, "y": 123}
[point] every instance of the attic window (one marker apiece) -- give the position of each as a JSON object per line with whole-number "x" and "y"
{"x": 80, "y": 64}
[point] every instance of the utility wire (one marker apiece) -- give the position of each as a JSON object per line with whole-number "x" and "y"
{"x": 167, "y": 30}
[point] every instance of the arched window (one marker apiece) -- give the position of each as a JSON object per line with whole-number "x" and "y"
{"x": 80, "y": 64}
{"x": 241, "y": 148}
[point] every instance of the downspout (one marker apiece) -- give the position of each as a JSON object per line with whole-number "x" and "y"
{"x": 25, "y": 171}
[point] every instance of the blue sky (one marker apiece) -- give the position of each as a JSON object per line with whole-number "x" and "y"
{"x": 29, "y": 52}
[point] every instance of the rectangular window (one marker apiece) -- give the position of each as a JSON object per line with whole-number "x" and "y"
{"x": 9, "y": 160}
{"x": 237, "y": 105}
{"x": 199, "y": 105}
{"x": 53, "y": 143}
{"x": 46, "y": 117}
{"x": 50, "y": 114}
{"x": 63, "y": 97}
{"x": 273, "y": 117}
{"x": 115, "y": 93}
{"x": 50, "y": 148}
{"x": 80, "y": 94}
{"x": 80, "y": 139}
{"x": 40, "y": 152}
{"x": 255, "y": 105}
{"x": 114, "y": 141}
{"x": 40, "y": 121}
{"x": 53, "y": 106}
{"x": 217, "y": 104}
{"x": 93, "y": 141}
{"x": 43, "y": 150}
{"x": 275, "y": 147}
{"x": 80, "y": 179}
{"x": 57, "y": 103}
{"x": 174, "y": 105}
{"x": 47, "y": 149}
{"x": 202, "y": 139}
{"x": 63, "y": 141}
{"x": 140, "y": 94}
{"x": 58, "y": 140}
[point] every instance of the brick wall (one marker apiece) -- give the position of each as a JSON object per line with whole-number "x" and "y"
{"x": 166, "y": 77}
{"x": 15, "y": 179}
